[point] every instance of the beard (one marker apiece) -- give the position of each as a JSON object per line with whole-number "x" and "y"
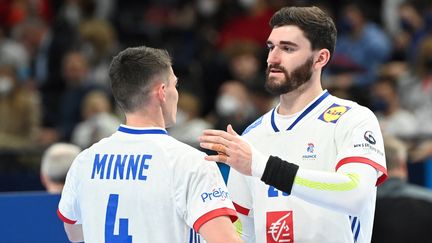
{"x": 291, "y": 81}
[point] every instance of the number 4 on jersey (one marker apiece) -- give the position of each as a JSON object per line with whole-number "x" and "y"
{"x": 111, "y": 213}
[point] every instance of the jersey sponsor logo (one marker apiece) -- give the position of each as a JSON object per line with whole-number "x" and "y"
{"x": 368, "y": 136}
{"x": 120, "y": 166}
{"x": 310, "y": 152}
{"x": 216, "y": 193}
{"x": 333, "y": 113}
{"x": 370, "y": 145}
{"x": 279, "y": 227}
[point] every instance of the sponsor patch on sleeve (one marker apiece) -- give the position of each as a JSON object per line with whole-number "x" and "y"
{"x": 333, "y": 113}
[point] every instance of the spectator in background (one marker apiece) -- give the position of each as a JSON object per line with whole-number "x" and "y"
{"x": 189, "y": 125}
{"x": 56, "y": 161}
{"x": 99, "y": 121}
{"x": 393, "y": 119}
{"x": 362, "y": 43}
{"x": 99, "y": 42}
{"x": 244, "y": 62}
{"x": 415, "y": 91}
{"x": 19, "y": 111}
{"x": 233, "y": 106}
{"x": 76, "y": 74}
{"x": 403, "y": 211}
{"x": 397, "y": 183}
{"x": 15, "y": 54}
{"x": 46, "y": 46}
{"x": 415, "y": 87}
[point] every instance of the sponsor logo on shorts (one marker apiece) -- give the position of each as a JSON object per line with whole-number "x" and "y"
{"x": 215, "y": 194}
{"x": 333, "y": 113}
{"x": 279, "y": 227}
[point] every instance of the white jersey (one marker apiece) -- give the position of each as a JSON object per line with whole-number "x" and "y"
{"x": 141, "y": 185}
{"x": 327, "y": 134}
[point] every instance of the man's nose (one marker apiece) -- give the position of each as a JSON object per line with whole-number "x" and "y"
{"x": 274, "y": 56}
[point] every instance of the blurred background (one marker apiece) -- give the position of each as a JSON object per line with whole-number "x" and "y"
{"x": 54, "y": 57}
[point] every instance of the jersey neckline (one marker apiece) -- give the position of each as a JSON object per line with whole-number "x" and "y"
{"x": 135, "y": 130}
{"x": 303, "y": 114}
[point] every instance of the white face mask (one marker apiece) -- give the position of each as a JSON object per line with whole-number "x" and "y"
{"x": 6, "y": 85}
{"x": 227, "y": 105}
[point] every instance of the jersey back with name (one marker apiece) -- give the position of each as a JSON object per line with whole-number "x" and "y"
{"x": 142, "y": 186}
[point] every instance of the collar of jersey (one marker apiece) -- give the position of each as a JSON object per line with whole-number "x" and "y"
{"x": 135, "y": 130}
{"x": 303, "y": 114}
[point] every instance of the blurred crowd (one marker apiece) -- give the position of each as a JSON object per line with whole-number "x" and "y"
{"x": 54, "y": 57}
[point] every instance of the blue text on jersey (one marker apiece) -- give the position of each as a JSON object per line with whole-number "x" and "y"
{"x": 214, "y": 194}
{"x": 126, "y": 166}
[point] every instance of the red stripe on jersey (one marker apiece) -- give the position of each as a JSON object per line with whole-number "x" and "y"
{"x": 64, "y": 219}
{"x": 241, "y": 209}
{"x": 213, "y": 214}
{"x": 363, "y": 160}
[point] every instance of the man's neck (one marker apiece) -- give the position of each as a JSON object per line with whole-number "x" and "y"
{"x": 145, "y": 119}
{"x": 297, "y": 100}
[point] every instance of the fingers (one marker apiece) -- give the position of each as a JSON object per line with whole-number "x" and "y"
{"x": 217, "y": 158}
{"x": 231, "y": 131}
{"x": 218, "y": 133}
{"x": 221, "y": 149}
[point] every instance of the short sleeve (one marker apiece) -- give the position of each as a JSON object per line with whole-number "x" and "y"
{"x": 358, "y": 139}
{"x": 201, "y": 194}
{"x": 68, "y": 208}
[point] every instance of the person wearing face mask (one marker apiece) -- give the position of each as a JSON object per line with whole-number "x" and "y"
{"x": 233, "y": 106}
{"x": 19, "y": 112}
{"x": 394, "y": 120}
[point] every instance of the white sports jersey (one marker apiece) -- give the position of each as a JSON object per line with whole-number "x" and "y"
{"x": 327, "y": 134}
{"x": 141, "y": 185}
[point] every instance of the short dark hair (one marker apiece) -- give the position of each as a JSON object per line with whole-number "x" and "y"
{"x": 132, "y": 72}
{"x": 317, "y": 26}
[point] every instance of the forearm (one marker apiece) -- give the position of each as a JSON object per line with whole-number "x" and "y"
{"x": 346, "y": 190}
{"x": 74, "y": 232}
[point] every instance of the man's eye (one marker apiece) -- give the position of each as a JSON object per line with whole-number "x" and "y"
{"x": 270, "y": 47}
{"x": 287, "y": 48}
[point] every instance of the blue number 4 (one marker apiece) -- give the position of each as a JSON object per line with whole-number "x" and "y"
{"x": 110, "y": 237}
{"x": 273, "y": 192}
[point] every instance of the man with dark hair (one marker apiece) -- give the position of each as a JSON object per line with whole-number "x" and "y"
{"x": 313, "y": 161}
{"x": 139, "y": 184}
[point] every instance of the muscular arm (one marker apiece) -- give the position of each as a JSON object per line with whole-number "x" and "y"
{"x": 74, "y": 232}
{"x": 219, "y": 230}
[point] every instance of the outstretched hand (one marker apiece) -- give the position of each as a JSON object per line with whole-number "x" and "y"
{"x": 231, "y": 148}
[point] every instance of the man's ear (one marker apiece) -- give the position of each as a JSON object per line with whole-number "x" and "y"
{"x": 323, "y": 58}
{"x": 161, "y": 91}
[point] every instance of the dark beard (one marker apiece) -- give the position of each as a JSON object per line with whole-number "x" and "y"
{"x": 293, "y": 81}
